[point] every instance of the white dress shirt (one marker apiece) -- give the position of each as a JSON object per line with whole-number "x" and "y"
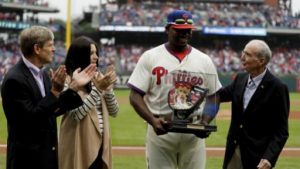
{"x": 37, "y": 74}
{"x": 251, "y": 87}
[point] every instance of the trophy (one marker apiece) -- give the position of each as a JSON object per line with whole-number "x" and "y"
{"x": 184, "y": 99}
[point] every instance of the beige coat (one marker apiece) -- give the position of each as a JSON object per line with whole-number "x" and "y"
{"x": 80, "y": 142}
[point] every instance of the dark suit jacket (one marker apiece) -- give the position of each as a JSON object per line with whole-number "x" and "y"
{"x": 262, "y": 129}
{"x": 31, "y": 119}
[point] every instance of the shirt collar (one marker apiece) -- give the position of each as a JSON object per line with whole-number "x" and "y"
{"x": 34, "y": 69}
{"x": 256, "y": 80}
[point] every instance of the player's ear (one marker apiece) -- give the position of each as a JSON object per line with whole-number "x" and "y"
{"x": 167, "y": 28}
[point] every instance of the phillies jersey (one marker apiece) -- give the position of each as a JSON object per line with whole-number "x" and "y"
{"x": 158, "y": 70}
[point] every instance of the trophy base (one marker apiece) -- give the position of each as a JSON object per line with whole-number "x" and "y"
{"x": 191, "y": 128}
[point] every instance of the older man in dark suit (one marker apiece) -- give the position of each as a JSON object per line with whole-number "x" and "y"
{"x": 32, "y": 101}
{"x": 260, "y": 110}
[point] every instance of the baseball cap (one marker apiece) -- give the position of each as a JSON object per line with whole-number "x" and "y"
{"x": 181, "y": 19}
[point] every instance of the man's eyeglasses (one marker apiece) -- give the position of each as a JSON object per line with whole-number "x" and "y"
{"x": 183, "y": 21}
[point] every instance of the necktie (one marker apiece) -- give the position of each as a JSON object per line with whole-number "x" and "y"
{"x": 251, "y": 84}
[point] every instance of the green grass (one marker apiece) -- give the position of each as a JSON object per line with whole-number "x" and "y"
{"x": 3, "y": 128}
{"x": 294, "y": 138}
{"x": 2, "y": 161}
{"x": 139, "y": 162}
{"x": 295, "y": 96}
{"x": 130, "y": 134}
{"x": 288, "y": 163}
{"x": 129, "y": 129}
{"x": 129, "y": 162}
{"x": 134, "y": 134}
{"x": 122, "y": 93}
{"x": 217, "y": 139}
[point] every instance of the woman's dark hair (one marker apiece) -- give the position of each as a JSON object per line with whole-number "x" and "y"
{"x": 79, "y": 55}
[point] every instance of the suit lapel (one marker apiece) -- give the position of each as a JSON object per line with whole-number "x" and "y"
{"x": 47, "y": 82}
{"x": 256, "y": 95}
{"x": 241, "y": 89}
{"x": 30, "y": 79}
{"x": 260, "y": 89}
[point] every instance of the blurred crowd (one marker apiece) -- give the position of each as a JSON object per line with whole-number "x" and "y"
{"x": 205, "y": 14}
{"x": 285, "y": 61}
{"x": 12, "y": 16}
{"x": 28, "y": 2}
{"x": 10, "y": 54}
{"x": 153, "y": 13}
{"x": 8, "y": 16}
{"x": 27, "y": 17}
{"x": 227, "y": 60}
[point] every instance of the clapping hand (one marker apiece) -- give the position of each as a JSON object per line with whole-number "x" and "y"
{"x": 81, "y": 78}
{"x": 105, "y": 82}
{"x": 58, "y": 79}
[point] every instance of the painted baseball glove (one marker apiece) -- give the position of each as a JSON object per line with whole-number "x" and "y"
{"x": 183, "y": 98}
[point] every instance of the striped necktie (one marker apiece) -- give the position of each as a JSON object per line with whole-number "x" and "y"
{"x": 251, "y": 84}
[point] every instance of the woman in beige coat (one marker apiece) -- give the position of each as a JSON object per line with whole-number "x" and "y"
{"x": 84, "y": 140}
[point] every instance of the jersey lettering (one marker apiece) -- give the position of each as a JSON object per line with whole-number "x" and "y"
{"x": 183, "y": 76}
{"x": 159, "y": 72}
{"x": 180, "y": 76}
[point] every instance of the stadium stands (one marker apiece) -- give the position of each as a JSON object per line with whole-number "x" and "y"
{"x": 285, "y": 61}
{"x": 125, "y": 51}
{"x": 205, "y": 14}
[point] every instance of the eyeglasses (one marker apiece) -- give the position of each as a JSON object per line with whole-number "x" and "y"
{"x": 183, "y": 21}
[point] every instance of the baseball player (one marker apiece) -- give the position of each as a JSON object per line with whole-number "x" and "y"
{"x": 150, "y": 83}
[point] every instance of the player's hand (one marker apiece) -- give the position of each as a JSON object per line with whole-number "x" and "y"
{"x": 264, "y": 164}
{"x": 203, "y": 134}
{"x": 58, "y": 78}
{"x": 81, "y": 78}
{"x": 159, "y": 125}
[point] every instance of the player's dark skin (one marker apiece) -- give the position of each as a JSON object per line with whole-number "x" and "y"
{"x": 177, "y": 41}
{"x": 178, "y": 38}
{"x": 158, "y": 123}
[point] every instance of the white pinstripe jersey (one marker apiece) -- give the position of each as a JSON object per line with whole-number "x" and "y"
{"x": 153, "y": 75}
